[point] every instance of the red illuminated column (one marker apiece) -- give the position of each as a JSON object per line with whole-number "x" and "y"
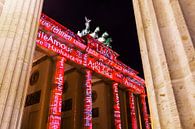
{"x": 55, "y": 106}
{"x": 88, "y": 101}
{"x": 116, "y": 106}
{"x": 144, "y": 111}
{"x": 132, "y": 111}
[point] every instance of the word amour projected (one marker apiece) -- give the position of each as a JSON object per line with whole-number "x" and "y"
{"x": 56, "y": 38}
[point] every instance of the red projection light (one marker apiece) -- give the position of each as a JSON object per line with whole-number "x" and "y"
{"x": 132, "y": 111}
{"x": 56, "y": 96}
{"x": 116, "y": 106}
{"x": 88, "y": 101}
{"x": 95, "y": 57}
{"x": 52, "y": 44}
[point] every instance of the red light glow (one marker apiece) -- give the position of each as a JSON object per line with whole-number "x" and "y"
{"x": 93, "y": 56}
{"x": 116, "y": 106}
{"x": 144, "y": 111}
{"x": 49, "y": 42}
{"x": 56, "y": 96}
{"x": 132, "y": 111}
{"x": 88, "y": 101}
{"x": 94, "y": 47}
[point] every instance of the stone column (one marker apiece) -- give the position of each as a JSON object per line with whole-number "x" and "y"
{"x": 18, "y": 28}
{"x": 133, "y": 117}
{"x": 169, "y": 62}
{"x": 188, "y": 9}
{"x": 55, "y": 107}
{"x": 1, "y": 5}
{"x": 116, "y": 106}
{"x": 162, "y": 103}
{"x": 144, "y": 111}
{"x": 87, "y": 117}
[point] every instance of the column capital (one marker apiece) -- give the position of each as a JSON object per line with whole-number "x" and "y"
{"x": 57, "y": 57}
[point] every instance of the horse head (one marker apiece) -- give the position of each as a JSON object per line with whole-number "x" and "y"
{"x": 105, "y": 34}
{"x": 95, "y": 33}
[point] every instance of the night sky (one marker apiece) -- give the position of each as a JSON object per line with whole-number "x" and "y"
{"x": 113, "y": 16}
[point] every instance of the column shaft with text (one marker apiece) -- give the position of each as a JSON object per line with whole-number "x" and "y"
{"x": 132, "y": 111}
{"x": 144, "y": 111}
{"x": 55, "y": 107}
{"x": 116, "y": 106}
{"x": 87, "y": 117}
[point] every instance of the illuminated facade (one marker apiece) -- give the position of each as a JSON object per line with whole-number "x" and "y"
{"x": 166, "y": 36}
{"x": 95, "y": 60}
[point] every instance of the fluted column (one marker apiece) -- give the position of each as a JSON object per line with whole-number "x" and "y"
{"x": 133, "y": 117}
{"x": 180, "y": 56}
{"x": 158, "y": 76}
{"x": 144, "y": 111}
{"x": 155, "y": 120}
{"x": 18, "y": 28}
{"x": 171, "y": 58}
{"x": 188, "y": 9}
{"x": 55, "y": 106}
{"x": 87, "y": 115}
{"x": 116, "y": 106}
{"x": 1, "y": 5}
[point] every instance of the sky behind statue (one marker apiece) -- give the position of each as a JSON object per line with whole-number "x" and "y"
{"x": 113, "y": 16}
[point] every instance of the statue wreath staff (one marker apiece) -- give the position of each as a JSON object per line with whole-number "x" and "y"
{"x": 87, "y": 28}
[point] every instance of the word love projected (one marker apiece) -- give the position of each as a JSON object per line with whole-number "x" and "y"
{"x": 53, "y": 37}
